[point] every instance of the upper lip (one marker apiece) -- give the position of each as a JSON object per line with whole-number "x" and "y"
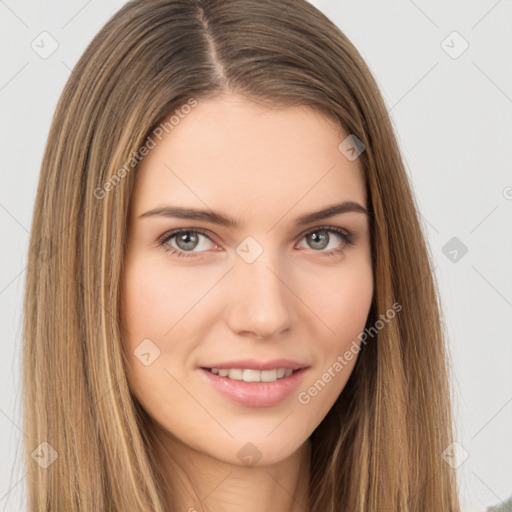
{"x": 259, "y": 365}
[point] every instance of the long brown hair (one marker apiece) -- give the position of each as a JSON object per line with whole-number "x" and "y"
{"x": 379, "y": 448}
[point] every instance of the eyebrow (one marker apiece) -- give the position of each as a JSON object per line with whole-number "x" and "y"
{"x": 223, "y": 220}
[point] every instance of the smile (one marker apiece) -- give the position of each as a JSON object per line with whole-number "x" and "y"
{"x": 250, "y": 375}
{"x": 247, "y": 387}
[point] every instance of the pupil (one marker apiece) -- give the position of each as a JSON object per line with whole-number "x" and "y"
{"x": 185, "y": 240}
{"x": 322, "y": 239}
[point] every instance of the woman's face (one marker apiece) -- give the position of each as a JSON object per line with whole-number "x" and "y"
{"x": 259, "y": 299}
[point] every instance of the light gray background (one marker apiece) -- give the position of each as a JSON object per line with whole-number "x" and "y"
{"x": 453, "y": 118}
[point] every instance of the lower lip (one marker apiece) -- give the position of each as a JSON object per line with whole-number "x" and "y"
{"x": 255, "y": 394}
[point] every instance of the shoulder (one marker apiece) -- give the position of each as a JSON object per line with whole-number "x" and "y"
{"x": 504, "y": 507}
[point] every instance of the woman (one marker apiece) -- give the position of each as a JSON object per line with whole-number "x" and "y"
{"x": 229, "y": 301}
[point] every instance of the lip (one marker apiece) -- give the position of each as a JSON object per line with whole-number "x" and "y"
{"x": 255, "y": 394}
{"x": 253, "y": 364}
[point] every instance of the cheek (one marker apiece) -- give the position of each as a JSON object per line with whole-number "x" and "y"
{"x": 342, "y": 303}
{"x": 158, "y": 311}
{"x": 147, "y": 309}
{"x": 157, "y": 296}
{"x": 152, "y": 303}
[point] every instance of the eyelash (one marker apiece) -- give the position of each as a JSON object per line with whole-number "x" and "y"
{"x": 343, "y": 234}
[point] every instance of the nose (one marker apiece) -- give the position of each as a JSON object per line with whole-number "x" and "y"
{"x": 261, "y": 301}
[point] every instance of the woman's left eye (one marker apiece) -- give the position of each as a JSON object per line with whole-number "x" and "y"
{"x": 187, "y": 240}
{"x": 321, "y": 238}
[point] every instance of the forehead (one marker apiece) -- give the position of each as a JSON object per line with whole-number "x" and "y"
{"x": 232, "y": 153}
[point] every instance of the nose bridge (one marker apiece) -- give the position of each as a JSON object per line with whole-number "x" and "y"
{"x": 261, "y": 302}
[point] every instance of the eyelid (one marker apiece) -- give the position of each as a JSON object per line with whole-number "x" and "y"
{"x": 325, "y": 227}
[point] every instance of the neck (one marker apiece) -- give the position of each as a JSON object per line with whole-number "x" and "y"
{"x": 195, "y": 481}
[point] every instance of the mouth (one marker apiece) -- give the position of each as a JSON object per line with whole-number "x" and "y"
{"x": 252, "y": 375}
{"x": 247, "y": 386}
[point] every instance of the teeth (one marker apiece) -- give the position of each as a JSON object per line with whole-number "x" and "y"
{"x": 249, "y": 375}
{"x": 236, "y": 373}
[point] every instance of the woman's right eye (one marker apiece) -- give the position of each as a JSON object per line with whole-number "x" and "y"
{"x": 184, "y": 240}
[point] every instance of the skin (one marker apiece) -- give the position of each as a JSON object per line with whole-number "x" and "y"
{"x": 265, "y": 168}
